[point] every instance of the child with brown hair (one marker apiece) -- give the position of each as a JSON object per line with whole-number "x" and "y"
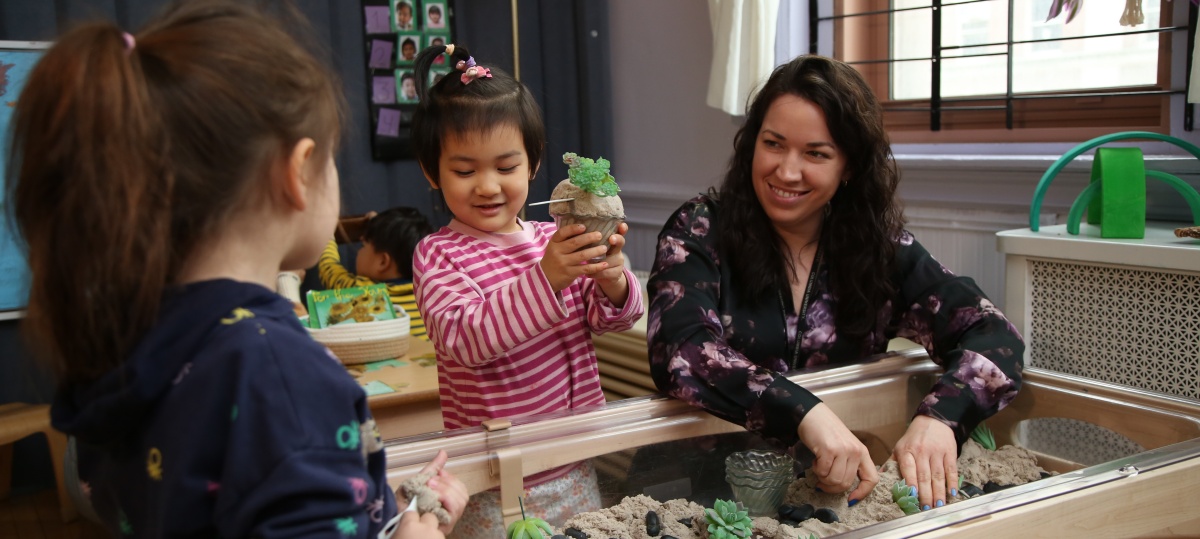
{"x": 200, "y": 149}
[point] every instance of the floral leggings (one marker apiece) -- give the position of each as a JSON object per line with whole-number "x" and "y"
{"x": 553, "y": 501}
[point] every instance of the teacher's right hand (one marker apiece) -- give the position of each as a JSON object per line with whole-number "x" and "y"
{"x": 840, "y": 456}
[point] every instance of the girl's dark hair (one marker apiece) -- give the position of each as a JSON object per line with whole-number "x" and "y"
{"x": 396, "y": 232}
{"x": 864, "y": 220}
{"x": 125, "y": 158}
{"x": 452, "y": 107}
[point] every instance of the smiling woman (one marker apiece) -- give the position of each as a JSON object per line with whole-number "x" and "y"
{"x": 800, "y": 260}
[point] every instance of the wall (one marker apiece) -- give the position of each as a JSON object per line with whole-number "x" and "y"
{"x": 668, "y": 145}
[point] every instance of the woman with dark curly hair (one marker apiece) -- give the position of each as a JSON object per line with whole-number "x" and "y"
{"x": 801, "y": 260}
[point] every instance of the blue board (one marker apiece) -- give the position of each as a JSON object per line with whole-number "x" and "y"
{"x": 16, "y": 61}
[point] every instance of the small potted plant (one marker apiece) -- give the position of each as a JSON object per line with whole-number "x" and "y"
{"x": 589, "y": 196}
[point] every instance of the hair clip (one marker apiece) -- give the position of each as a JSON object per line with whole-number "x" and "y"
{"x": 475, "y": 72}
{"x": 129, "y": 41}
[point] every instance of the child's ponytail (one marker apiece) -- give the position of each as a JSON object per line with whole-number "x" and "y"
{"x": 473, "y": 97}
{"x": 130, "y": 152}
{"x": 92, "y": 200}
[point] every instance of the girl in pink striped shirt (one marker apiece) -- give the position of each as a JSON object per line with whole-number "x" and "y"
{"x": 509, "y": 304}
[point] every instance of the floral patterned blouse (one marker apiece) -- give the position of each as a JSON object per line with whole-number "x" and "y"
{"x": 726, "y": 354}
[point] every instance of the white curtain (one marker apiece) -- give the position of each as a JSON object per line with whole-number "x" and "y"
{"x": 743, "y": 50}
{"x": 1194, "y": 81}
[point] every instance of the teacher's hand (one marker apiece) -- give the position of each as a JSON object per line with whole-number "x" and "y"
{"x": 928, "y": 459}
{"x": 840, "y": 456}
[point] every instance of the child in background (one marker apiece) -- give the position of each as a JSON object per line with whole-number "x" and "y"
{"x": 388, "y": 241}
{"x": 202, "y": 148}
{"x": 510, "y": 305}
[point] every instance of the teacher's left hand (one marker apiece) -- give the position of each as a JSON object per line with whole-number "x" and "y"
{"x": 928, "y": 459}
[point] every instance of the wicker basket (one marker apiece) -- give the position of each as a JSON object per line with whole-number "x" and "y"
{"x": 368, "y": 341}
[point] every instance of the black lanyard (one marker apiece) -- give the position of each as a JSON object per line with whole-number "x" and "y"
{"x": 812, "y": 277}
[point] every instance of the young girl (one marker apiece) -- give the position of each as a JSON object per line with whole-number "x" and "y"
{"x": 502, "y": 298}
{"x": 160, "y": 182}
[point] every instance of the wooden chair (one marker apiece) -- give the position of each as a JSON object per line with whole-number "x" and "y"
{"x": 19, "y": 420}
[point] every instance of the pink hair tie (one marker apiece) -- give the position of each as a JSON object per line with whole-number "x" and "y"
{"x": 129, "y": 41}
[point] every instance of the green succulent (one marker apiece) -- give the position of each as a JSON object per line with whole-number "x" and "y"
{"x": 727, "y": 520}
{"x": 902, "y": 495}
{"x": 908, "y": 504}
{"x": 591, "y": 176}
{"x": 900, "y": 490}
{"x": 983, "y": 436}
{"x": 530, "y": 528}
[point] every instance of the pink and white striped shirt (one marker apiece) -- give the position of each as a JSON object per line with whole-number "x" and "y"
{"x": 507, "y": 344}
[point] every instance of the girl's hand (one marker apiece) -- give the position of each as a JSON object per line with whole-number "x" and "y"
{"x": 414, "y": 525}
{"x": 451, "y": 491}
{"x": 840, "y": 457}
{"x": 612, "y": 279}
{"x": 928, "y": 459}
{"x": 563, "y": 262}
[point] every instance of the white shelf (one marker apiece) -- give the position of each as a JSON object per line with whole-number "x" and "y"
{"x": 1159, "y": 249}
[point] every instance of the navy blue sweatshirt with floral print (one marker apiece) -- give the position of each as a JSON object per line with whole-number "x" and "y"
{"x": 726, "y": 354}
{"x": 228, "y": 420}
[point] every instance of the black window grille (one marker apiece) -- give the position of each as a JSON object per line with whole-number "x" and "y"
{"x": 939, "y": 104}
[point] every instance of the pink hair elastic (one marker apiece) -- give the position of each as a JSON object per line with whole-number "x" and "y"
{"x": 129, "y": 41}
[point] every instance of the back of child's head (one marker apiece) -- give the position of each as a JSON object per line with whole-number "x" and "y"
{"x": 396, "y": 232}
{"x": 460, "y": 104}
{"x": 130, "y": 151}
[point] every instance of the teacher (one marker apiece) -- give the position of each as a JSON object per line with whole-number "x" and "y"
{"x": 800, "y": 260}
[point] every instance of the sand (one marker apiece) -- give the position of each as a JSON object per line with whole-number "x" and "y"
{"x": 427, "y": 498}
{"x": 585, "y": 204}
{"x": 1007, "y": 465}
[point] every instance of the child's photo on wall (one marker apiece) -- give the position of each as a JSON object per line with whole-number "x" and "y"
{"x": 406, "y": 86}
{"x": 403, "y": 19}
{"x": 435, "y": 15}
{"x": 409, "y": 45}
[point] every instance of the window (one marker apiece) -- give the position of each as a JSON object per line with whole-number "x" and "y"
{"x": 1031, "y": 81}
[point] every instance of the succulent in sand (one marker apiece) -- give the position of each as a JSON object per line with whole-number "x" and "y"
{"x": 905, "y": 496}
{"x": 591, "y": 175}
{"x": 983, "y": 436}
{"x": 727, "y": 520}
{"x": 529, "y": 528}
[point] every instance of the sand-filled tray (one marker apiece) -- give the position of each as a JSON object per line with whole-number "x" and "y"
{"x": 1109, "y": 461}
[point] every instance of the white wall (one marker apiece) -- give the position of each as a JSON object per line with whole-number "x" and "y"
{"x": 668, "y": 144}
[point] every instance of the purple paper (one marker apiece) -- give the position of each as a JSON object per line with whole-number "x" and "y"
{"x": 378, "y": 19}
{"x": 389, "y": 123}
{"x": 381, "y": 54}
{"x": 383, "y": 90}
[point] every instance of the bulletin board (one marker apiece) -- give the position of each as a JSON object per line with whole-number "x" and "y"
{"x": 17, "y": 59}
{"x": 394, "y": 32}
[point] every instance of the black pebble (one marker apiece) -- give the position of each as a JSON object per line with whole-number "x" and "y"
{"x": 653, "y": 525}
{"x": 785, "y": 511}
{"x": 825, "y": 515}
{"x": 789, "y": 522}
{"x": 992, "y": 486}
{"x": 802, "y": 513}
{"x": 559, "y": 537}
{"x": 1044, "y": 474}
{"x": 669, "y": 537}
{"x": 686, "y": 521}
{"x": 970, "y": 490}
{"x": 572, "y": 532}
